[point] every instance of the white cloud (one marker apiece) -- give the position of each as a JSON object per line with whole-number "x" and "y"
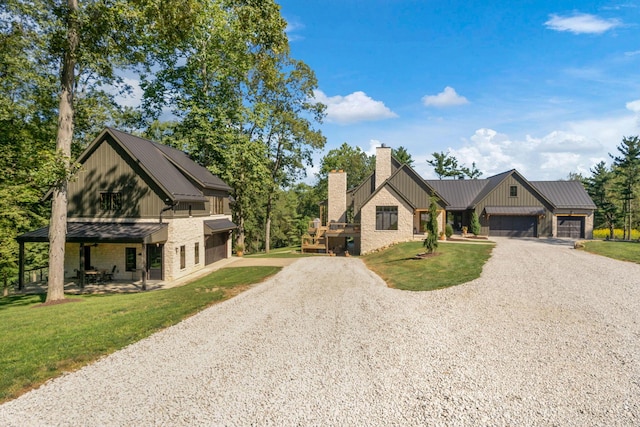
{"x": 291, "y": 30}
{"x": 634, "y": 106}
{"x": 632, "y": 53}
{"x": 447, "y": 98}
{"x": 576, "y": 148}
{"x": 581, "y": 23}
{"x": 353, "y": 108}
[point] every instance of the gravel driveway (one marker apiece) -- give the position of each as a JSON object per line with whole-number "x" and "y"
{"x": 547, "y": 336}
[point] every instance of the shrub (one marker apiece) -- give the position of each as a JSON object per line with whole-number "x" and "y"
{"x": 618, "y": 233}
{"x": 431, "y": 242}
{"x": 475, "y": 224}
{"x": 448, "y": 230}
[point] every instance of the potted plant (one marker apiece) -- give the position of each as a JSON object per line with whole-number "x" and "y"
{"x": 239, "y": 249}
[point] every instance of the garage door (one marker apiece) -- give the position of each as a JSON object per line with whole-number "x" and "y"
{"x": 513, "y": 226}
{"x": 571, "y": 226}
{"x": 215, "y": 247}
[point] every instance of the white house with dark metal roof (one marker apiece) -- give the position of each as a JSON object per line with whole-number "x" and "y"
{"x": 141, "y": 210}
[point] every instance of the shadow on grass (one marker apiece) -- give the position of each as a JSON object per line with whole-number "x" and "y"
{"x": 22, "y": 300}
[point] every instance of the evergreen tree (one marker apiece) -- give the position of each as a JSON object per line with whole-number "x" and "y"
{"x": 431, "y": 241}
{"x": 475, "y": 224}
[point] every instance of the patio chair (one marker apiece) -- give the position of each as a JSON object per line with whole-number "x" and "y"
{"x": 108, "y": 277}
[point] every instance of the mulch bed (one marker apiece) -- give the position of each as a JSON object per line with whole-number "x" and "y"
{"x": 425, "y": 255}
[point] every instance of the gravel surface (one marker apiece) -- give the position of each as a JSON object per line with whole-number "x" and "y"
{"x": 547, "y": 336}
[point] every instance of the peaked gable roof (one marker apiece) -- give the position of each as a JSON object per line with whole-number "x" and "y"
{"x": 169, "y": 168}
{"x": 565, "y": 194}
{"x": 466, "y": 194}
{"x": 413, "y": 198}
{"x": 459, "y": 193}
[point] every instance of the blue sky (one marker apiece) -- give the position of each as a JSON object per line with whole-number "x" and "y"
{"x": 546, "y": 87}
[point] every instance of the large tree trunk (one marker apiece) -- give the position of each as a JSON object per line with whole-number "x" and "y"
{"x": 267, "y": 227}
{"x": 58, "y": 225}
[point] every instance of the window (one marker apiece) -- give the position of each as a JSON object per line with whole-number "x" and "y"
{"x": 183, "y": 257}
{"x": 386, "y": 217}
{"x": 424, "y": 219}
{"x": 110, "y": 201}
{"x": 513, "y": 191}
{"x": 130, "y": 259}
{"x": 196, "y": 251}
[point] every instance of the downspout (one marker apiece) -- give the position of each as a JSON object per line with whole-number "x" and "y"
{"x": 166, "y": 208}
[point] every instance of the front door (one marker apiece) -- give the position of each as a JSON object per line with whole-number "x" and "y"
{"x": 154, "y": 262}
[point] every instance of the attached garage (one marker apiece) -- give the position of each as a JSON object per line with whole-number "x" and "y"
{"x": 571, "y": 227}
{"x": 216, "y": 240}
{"x": 513, "y": 221}
{"x": 513, "y": 226}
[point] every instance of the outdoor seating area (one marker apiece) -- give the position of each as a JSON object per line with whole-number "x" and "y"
{"x": 96, "y": 275}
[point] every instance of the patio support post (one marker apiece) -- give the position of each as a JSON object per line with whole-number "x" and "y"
{"x": 81, "y": 269}
{"x": 144, "y": 267}
{"x": 21, "y": 266}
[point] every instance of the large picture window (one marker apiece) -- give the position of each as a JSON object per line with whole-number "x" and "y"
{"x": 386, "y": 217}
{"x": 110, "y": 201}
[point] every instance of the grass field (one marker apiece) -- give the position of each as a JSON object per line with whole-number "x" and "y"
{"x": 455, "y": 263}
{"x": 40, "y": 342}
{"x": 624, "y": 251}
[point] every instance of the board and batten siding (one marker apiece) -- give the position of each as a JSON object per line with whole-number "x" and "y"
{"x": 500, "y": 196}
{"x": 110, "y": 169}
{"x": 415, "y": 191}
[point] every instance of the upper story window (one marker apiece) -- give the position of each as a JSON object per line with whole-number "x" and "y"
{"x": 110, "y": 201}
{"x": 386, "y": 217}
{"x": 513, "y": 191}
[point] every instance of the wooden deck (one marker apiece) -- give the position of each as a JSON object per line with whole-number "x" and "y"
{"x": 317, "y": 237}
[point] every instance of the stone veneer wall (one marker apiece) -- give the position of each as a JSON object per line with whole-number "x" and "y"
{"x": 337, "y": 197}
{"x": 104, "y": 257}
{"x": 372, "y": 239}
{"x": 182, "y": 231}
{"x": 383, "y": 164}
{"x": 588, "y": 227}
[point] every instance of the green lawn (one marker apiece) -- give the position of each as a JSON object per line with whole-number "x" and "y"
{"x": 455, "y": 263}
{"x": 624, "y": 251}
{"x": 40, "y": 342}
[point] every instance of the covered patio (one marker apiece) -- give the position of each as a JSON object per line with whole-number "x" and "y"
{"x": 123, "y": 245}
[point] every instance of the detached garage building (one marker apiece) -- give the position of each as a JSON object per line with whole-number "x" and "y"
{"x": 509, "y": 205}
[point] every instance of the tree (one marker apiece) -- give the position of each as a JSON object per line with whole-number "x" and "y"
{"x": 352, "y": 160}
{"x": 444, "y": 165}
{"x": 431, "y": 241}
{"x": 83, "y": 44}
{"x": 402, "y": 155}
{"x": 599, "y": 188}
{"x": 475, "y": 223}
{"x": 471, "y": 173}
{"x": 627, "y": 168}
{"x": 244, "y": 107}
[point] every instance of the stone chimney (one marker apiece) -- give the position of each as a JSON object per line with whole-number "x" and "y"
{"x": 383, "y": 164}
{"x": 337, "y": 197}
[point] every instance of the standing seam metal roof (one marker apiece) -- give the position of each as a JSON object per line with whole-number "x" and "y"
{"x": 165, "y": 165}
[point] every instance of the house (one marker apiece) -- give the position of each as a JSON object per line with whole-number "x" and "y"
{"x": 392, "y": 205}
{"x": 509, "y": 205}
{"x": 138, "y": 209}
